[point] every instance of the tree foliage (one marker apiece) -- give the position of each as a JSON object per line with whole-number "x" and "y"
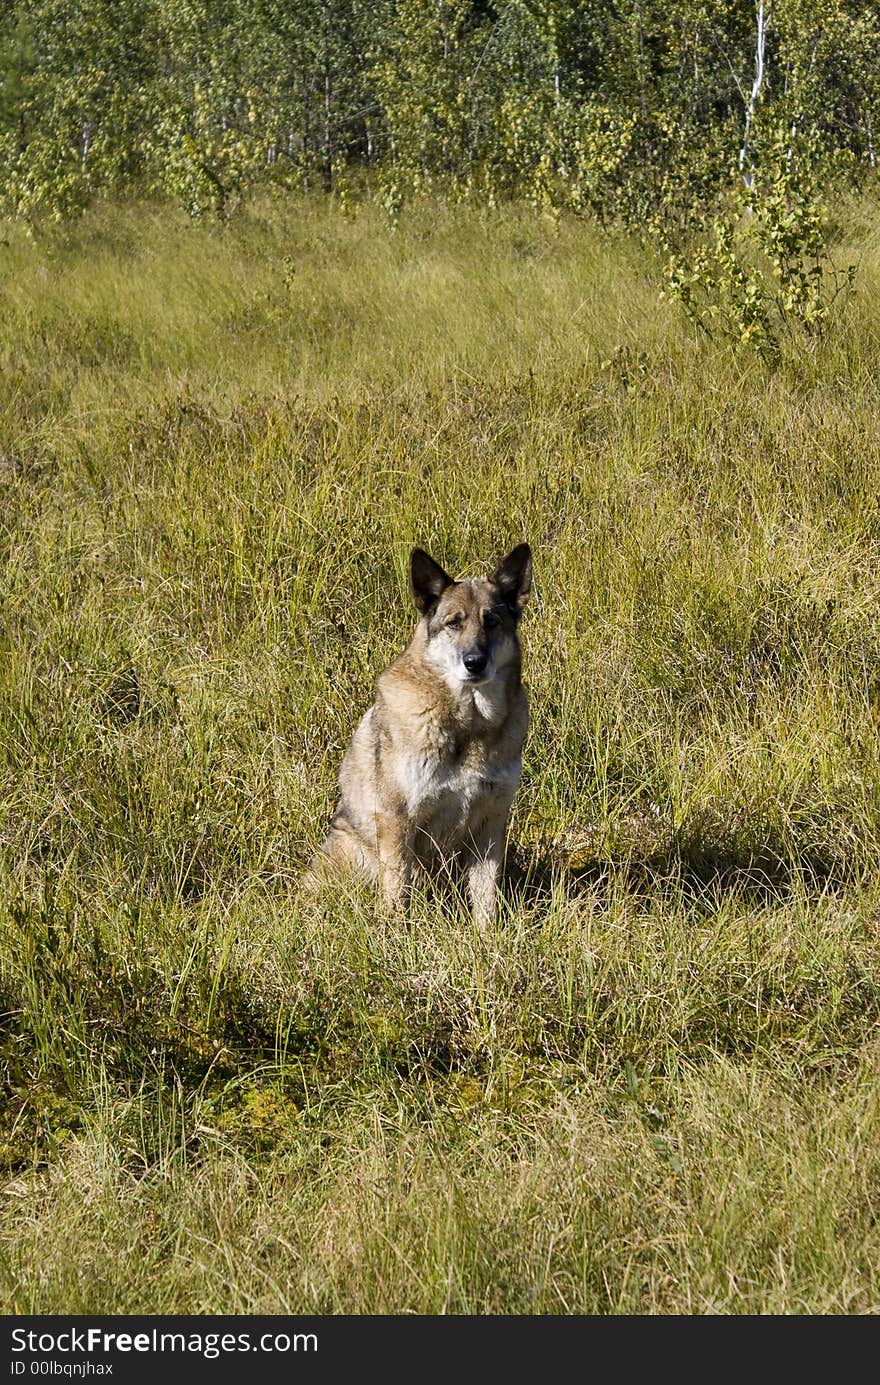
{"x": 711, "y": 125}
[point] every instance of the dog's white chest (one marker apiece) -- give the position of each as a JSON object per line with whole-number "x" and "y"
{"x": 442, "y": 797}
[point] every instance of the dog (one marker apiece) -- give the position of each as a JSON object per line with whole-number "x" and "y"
{"x": 430, "y": 773}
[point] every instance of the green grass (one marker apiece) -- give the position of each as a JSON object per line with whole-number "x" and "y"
{"x": 655, "y": 1087}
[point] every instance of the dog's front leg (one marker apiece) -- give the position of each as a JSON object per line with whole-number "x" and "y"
{"x": 394, "y": 848}
{"x": 484, "y": 870}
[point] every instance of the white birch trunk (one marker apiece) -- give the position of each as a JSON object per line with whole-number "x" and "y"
{"x": 751, "y": 104}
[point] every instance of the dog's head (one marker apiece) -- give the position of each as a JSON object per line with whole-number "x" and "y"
{"x": 471, "y": 624}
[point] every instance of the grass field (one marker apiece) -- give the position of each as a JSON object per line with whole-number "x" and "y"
{"x": 656, "y": 1087}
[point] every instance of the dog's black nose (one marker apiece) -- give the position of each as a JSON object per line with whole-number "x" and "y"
{"x": 475, "y": 663}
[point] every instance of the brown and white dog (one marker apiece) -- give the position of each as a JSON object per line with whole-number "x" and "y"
{"x": 431, "y": 771}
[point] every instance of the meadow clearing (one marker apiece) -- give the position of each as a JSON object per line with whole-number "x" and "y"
{"x": 655, "y": 1088}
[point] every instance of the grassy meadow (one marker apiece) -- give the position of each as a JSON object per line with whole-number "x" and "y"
{"x": 655, "y": 1088}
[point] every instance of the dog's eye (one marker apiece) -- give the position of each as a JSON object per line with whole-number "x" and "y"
{"x": 455, "y": 623}
{"x": 490, "y": 620}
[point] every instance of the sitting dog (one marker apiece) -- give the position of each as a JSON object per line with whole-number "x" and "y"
{"x": 431, "y": 771}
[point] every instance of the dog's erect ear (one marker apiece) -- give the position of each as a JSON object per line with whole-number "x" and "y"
{"x": 513, "y": 577}
{"x": 427, "y": 580}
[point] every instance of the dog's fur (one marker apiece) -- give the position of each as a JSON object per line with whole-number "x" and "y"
{"x": 433, "y": 766}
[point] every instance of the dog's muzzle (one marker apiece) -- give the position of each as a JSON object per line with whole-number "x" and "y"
{"x": 475, "y": 664}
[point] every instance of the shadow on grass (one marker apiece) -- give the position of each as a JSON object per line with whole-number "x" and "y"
{"x": 700, "y": 874}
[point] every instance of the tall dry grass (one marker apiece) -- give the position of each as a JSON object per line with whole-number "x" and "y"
{"x": 653, "y": 1089}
